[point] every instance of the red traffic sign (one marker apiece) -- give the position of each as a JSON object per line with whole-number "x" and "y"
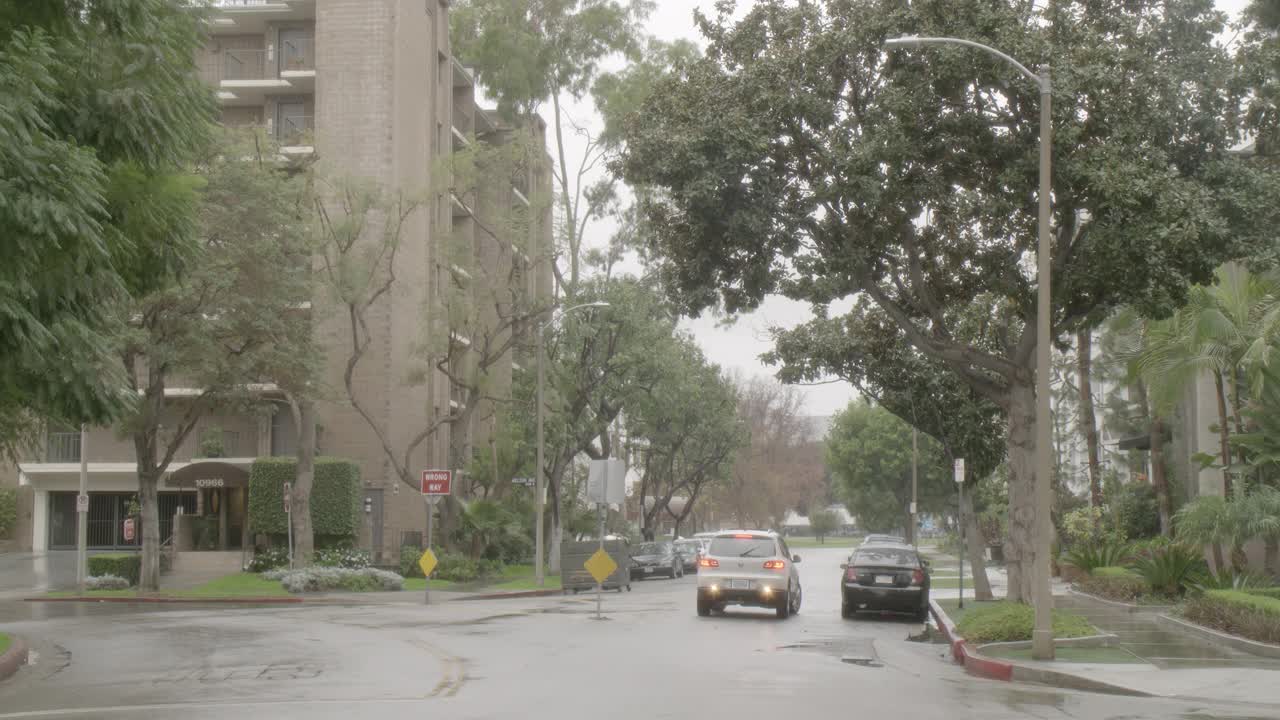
{"x": 128, "y": 529}
{"x": 436, "y": 482}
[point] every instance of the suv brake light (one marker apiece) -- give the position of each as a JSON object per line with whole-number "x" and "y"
{"x": 774, "y": 564}
{"x": 708, "y": 562}
{"x": 851, "y": 574}
{"x": 917, "y": 577}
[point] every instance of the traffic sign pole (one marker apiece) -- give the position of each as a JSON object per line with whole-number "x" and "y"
{"x": 288, "y": 516}
{"x": 435, "y": 485}
{"x": 82, "y": 513}
{"x": 426, "y": 578}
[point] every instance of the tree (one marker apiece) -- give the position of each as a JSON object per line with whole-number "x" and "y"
{"x": 823, "y": 522}
{"x": 798, "y": 157}
{"x": 100, "y": 113}
{"x": 224, "y": 326}
{"x": 558, "y": 60}
{"x": 869, "y": 453}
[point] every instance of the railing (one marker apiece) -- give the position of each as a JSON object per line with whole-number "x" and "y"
{"x": 243, "y": 3}
{"x": 297, "y": 53}
{"x": 63, "y": 447}
{"x": 244, "y": 65}
{"x": 295, "y": 129}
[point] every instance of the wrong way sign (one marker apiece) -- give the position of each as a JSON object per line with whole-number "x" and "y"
{"x": 437, "y": 482}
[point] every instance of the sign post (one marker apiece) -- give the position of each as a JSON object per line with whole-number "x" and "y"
{"x": 288, "y": 516}
{"x": 963, "y": 547}
{"x": 435, "y": 485}
{"x": 82, "y": 513}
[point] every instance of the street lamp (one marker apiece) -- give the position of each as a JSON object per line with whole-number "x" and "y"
{"x": 539, "y": 491}
{"x": 1042, "y": 599}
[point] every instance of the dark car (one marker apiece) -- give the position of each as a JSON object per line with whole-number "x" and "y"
{"x": 656, "y": 558}
{"x": 690, "y": 550}
{"x": 887, "y": 578}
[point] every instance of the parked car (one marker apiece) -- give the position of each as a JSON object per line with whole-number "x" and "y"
{"x": 690, "y": 550}
{"x": 656, "y": 558}
{"x": 884, "y": 540}
{"x": 753, "y": 568}
{"x": 886, "y": 578}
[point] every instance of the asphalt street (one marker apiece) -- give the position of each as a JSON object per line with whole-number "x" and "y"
{"x": 539, "y": 658}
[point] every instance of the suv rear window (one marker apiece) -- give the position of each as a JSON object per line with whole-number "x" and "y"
{"x": 885, "y": 556}
{"x": 743, "y": 547}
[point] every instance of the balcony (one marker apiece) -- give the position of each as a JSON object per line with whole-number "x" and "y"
{"x": 63, "y": 447}
{"x": 295, "y": 133}
{"x": 241, "y": 64}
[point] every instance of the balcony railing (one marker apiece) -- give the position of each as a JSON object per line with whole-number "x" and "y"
{"x": 244, "y": 65}
{"x": 295, "y": 129}
{"x": 243, "y": 3}
{"x": 297, "y": 54}
{"x": 64, "y": 447}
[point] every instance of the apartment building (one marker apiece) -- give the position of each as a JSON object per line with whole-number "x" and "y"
{"x": 370, "y": 88}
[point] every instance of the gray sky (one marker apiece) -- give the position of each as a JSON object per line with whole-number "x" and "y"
{"x": 738, "y": 346}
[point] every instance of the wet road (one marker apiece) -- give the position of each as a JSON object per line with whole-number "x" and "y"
{"x": 536, "y": 658}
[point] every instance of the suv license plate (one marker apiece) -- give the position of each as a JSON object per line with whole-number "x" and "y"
{"x": 739, "y": 584}
{"x": 648, "y": 570}
{"x": 884, "y": 579}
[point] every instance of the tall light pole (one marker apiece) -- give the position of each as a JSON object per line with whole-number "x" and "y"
{"x": 539, "y": 491}
{"x": 1042, "y": 597}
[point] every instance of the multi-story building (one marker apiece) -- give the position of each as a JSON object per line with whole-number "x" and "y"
{"x": 371, "y": 89}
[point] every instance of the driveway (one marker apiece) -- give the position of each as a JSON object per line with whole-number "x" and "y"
{"x": 23, "y": 573}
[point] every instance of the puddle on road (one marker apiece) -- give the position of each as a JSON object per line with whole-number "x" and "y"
{"x": 853, "y": 651}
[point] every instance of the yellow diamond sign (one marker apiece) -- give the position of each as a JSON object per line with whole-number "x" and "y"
{"x": 427, "y": 562}
{"x": 600, "y": 565}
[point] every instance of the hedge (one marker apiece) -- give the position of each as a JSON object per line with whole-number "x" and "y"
{"x": 1008, "y": 621}
{"x": 1115, "y": 583}
{"x": 335, "y": 495}
{"x": 1271, "y": 592}
{"x": 1256, "y": 617}
{"x": 125, "y": 565}
{"x": 8, "y": 511}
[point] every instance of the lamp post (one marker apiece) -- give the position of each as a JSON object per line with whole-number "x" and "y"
{"x": 1042, "y": 598}
{"x": 539, "y": 483}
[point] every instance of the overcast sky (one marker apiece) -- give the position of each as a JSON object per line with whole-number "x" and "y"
{"x": 738, "y": 346}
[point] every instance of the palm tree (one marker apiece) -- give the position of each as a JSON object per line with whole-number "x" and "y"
{"x": 1264, "y": 522}
{"x": 1211, "y": 520}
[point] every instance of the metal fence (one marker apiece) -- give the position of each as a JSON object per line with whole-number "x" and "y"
{"x": 244, "y": 65}
{"x": 63, "y": 447}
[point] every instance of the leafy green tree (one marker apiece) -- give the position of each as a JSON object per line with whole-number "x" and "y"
{"x": 229, "y": 323}
{"x": 823, "y": 522}
{"x": 555, "y": 57}
{"x": 799, "y": 157}
{"x": 100, "y": 112}
{"x": 869, "y": 453}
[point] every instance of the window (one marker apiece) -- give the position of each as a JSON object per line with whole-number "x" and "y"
{"x": 886, "y": 556}
{"x": 284, "y": 436}
{"x": 63, "y": 445}
{"x": 743, "y": 546}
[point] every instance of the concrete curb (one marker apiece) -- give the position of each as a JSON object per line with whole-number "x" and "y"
{"x": 1130, "y": 608}
{"x": 13, "y": 658}
{"x": 174, "y": 600}
{"x": 1235, "y": 642}
{"x": 975, "y": 663}
{"x": 508, "y": 595}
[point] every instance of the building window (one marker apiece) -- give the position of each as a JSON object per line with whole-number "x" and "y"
{"x": 284, "y": 436}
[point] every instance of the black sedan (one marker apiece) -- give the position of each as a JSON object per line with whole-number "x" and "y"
{"x": 689, "y": 551}
{"x": 887, "y": 578}
{"x": 656, "y": 558}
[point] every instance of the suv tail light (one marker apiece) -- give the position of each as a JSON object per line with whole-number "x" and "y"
{"x": 708, "y": 562}
{"x": 774, "y": 564}
{"x": 917, "y": 577}
{"x": 851, "y": 574}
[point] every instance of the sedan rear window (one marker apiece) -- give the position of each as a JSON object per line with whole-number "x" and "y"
{"x": 885, "y": 556}
{"x": 743, "y": 547}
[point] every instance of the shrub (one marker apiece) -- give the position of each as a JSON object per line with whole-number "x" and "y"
{"x": 1271, "y": 592}
{"x": 1228, "y": 579}
{"x": 269, "y": 559}
{"x": 335, "y": 495}
{"x": 1006, "y": 622}
{"x": 275, "y": 573}
{"x": 409, "y": 561}
{"x": 351, "y": 558}
{"x": 1137, "y": 514}
{"x": 1256, "y": 617}
{"x": 1115, "y": 583}
{"x": 1092, "y": 556}
{"x": 8, "y": 511}
{"x": 511, "y": 549}
{"x": 1083, "y": 527}
{"x": 105, "y": 582}
{"x": 1171, "y": 570}
{"x": 490, "y": 567}
{"x": 320, "y": 579}
{"x": 125, "y": 565}
{"x": 457, "y": 568}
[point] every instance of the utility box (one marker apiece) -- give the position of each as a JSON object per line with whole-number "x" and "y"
{"x": 574, "y": 555}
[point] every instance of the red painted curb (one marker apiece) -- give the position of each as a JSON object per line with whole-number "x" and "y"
{"x": 188, "y": 601}
{"x": 511, "y": 594}
{"x": 983, "y": 666}
{"x": 13, "y": 658}
{"x": 948, "y": 629}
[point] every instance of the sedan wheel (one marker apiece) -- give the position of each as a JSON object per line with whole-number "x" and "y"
{"x": 784, "y": 610}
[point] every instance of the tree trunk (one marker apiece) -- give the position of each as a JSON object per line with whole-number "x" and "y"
{"x": 148, "y": 496}
{"x": 300, "y": 499}
{"x": 1271, "y": 556}
{"x": 1219, "y": 561}
{"x": 557, "y": 519}
{"x": 1159, "y": 477}
{"x": 974, "y": 550}
{"x": 1020, "y": 548}
{"x": 570, "y": 217}
{"x": 1088, "y": 423}
{"x": 1224, "y": 433}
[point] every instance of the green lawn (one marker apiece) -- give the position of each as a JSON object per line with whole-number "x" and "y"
{"x": 952, "y": 607}
{"x": 1109, "y": 655}
{"x": 93, "y": 593}
{"x": 5, "y": 642}
{"x": 513, "y": 577}
{"x": 238, "y": 585}
{"x": 420, "y": 584}
{"x": 950, "y": 583}
{"x": 802, "y": 541}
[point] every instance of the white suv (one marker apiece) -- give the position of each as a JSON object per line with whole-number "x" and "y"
{"x": 748, "y": 567}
